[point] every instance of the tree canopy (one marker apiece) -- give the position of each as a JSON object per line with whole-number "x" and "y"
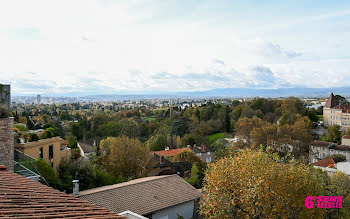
{"x": 253, "y": 185}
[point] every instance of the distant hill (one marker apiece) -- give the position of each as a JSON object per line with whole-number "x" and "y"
{"x": 280, "y": 92}
{"x": 220, "y": 92}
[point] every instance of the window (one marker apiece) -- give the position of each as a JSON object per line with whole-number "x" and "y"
{"x": 41, "y": 152}
{"x": 50, "y": 151}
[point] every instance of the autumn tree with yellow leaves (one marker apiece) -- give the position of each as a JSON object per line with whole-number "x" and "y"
{"x": 252, "y": 184}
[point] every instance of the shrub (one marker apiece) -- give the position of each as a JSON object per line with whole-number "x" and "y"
{"x": 4, "y": 112}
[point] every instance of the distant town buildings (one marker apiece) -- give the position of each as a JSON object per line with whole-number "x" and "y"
{"x": 38, "y": 99}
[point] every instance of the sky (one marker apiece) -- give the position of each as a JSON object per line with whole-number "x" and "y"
{"x": 133, "y": 46}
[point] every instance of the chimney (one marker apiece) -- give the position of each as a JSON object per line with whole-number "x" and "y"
{"x": 161, "y": 160}
{"x": 75, "y": 187}
{"x": 6, "y": 130}
{"x": 203, "y": 148}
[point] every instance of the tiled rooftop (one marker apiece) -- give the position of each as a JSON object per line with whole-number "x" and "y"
{"x": 170, "y": 153}
{"x": 21, "y": 197}
{"x": 144, "y": 195}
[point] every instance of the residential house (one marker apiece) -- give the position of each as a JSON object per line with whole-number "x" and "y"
{"x": 49, "y": 149}
{"x": 336, "y": 114}
{"x": 319, "y": 150}
{"x": 333, "y": 164}
{"x": 21, "y": 197}
{"x": 201, "y": 151}
{"x": 167, "y": 167}
{"x": 86, "y": 150}
{"x": 156, "y": 197}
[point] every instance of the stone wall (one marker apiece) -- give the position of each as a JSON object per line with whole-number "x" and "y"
{"x": 6, "y": 143}
{"x": 5, "y": 95}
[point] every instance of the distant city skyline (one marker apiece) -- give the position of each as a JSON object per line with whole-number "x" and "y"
{"x": 119, "y": 47}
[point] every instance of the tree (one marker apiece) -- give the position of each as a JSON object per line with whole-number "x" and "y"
{"x": 342, "y": 100}
{"x": 30, "y": 124}
{"x": 179, "y": 127}
{"x": 70, "y": 169}
{"x": 22, "y": 119}
{"x": 49, "y": 133}
{"x": 253, "y": 185}
{"x": 333, "y": 134}
{"x": 47, "y": 172}
{"x": 125, "y": 158}
{"x": 189, "y": 156}
{"x": 130, "y": 128}
{"x": 33, "y": 137}
{"x": 340, "y": 186}
{"x": 157, "y": 143}
{"x": 196, "y": 177}
{"x": 245, "y": 126}
{"x": 72, "y": 140}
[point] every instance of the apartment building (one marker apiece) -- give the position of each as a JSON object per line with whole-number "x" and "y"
{"x": 336, "y": 114}
{"x": 49, "y": 149}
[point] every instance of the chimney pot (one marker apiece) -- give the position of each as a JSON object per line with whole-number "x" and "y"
{"x": 75, "y": 187}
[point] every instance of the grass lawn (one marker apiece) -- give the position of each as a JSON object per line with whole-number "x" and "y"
{"x": 216, "y": 136}
{"x": 151, "y": 118}
{"x": 320, "y": 117}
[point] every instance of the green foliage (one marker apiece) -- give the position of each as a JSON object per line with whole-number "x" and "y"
{"x": 342, "y": 100}
{"x": 82, "y": 170}
{"x": 4, "y": 112}
{"x": 333, "y": 134}
{"x": 214, "y": 137}
{"x": 125, "y": 158}
{"x": 196, "y": 177}
{"x": 21, "y": 128}
{"x": 157, "y": 143}
{"x": 179, "y": 127}
{"x": 46, "y": 171}
{"x": 33, "y": 137}
{"x": 340, "y": 186}
{"x": 72, "y": 140}
{"x": 189, "y": 156}
{"x": 49, "y": 132}
{"x": 103, "y": 178}
{"x": 191, "y": 139}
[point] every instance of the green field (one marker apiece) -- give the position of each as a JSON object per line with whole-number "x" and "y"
{"x": 320, "y": 117}
{"x": 216, "y": 136}
{"x": 151, "y": 118}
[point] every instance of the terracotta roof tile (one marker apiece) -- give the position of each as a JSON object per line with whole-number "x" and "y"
{"x": 324, "y": 163}
{"x": 21, "y": 197}
{"x": 320, "y": 143}
{"x": 144, "y": 195}
{"x": 170, "y": 153}
{"x": 329, "y": 162}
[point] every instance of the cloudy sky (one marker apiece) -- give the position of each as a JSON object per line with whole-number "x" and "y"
{"x": 114, "y": 46}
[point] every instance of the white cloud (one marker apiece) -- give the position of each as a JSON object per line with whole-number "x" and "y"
{"x": 72, "y": 46}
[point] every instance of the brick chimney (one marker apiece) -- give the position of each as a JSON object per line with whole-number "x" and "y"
{"x": 6, "y": 130}
{"x": 6, "y": 143}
